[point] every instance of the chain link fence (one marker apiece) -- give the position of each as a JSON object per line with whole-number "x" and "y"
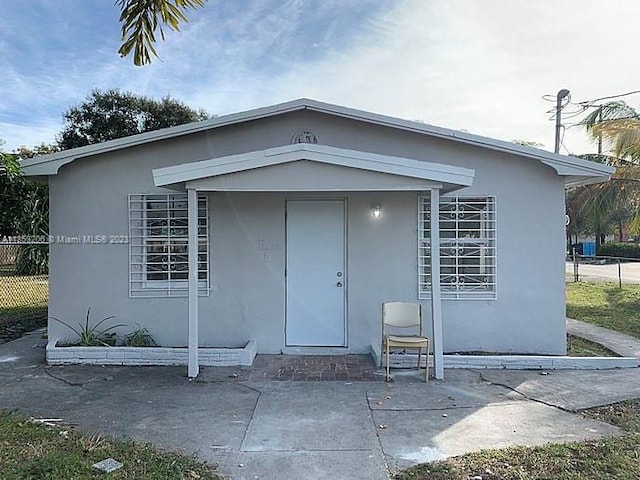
{"x": 600, "y": 268}
{"x": 23, "y": 296}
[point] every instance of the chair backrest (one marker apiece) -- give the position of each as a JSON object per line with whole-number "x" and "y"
{"x": 402, "y": 315}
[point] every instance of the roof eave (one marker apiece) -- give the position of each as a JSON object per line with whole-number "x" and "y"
{"x": 573, "y": 181}
{"x": 36, "y": 165}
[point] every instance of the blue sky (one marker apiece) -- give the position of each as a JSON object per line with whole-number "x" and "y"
{"x": 478, "y": 65}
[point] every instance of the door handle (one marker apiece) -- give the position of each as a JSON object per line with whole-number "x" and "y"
{"x": 339, "y": 284}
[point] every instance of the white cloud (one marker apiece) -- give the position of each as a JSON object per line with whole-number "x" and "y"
{"x": 28, "y": 135}
{"x": 479, "y": 65}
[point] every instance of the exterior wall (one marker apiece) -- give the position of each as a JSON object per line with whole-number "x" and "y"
{"x": 89, "y": 197}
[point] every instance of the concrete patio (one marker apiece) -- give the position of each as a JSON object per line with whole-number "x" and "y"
{"x": 351, "y": 429}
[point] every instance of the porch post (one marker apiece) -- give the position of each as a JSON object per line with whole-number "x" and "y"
{"x": 192, "y": 196}
{"x": 436, "y": 301}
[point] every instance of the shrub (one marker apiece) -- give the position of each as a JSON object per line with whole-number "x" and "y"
{"x": 621, "y": 250}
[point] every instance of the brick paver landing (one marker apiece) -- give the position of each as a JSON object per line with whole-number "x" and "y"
{"x": 311, "y": 368}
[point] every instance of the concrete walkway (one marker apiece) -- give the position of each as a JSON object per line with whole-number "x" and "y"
{"x": 311, "y": 430}
{"x": 623, "y": 345}
{"x": 587, "y": 388}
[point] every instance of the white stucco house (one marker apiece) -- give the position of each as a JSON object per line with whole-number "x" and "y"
{"x": 289, "y": 225}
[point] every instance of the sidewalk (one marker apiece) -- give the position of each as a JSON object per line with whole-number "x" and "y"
{"x": 624, "y": 345}
{"x": 576, "y": 390}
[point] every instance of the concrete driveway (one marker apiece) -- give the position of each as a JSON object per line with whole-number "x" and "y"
{"x": 314, "y": 430}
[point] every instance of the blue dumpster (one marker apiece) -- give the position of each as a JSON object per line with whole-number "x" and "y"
{"x": 589, "y": 249}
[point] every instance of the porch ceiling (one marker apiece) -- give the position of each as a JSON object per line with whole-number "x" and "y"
{"x": 309, "y": 167}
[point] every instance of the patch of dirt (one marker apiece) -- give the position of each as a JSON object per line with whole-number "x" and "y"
{"x": 13, "y": 328}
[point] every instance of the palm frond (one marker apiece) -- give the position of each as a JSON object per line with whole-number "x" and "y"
{"x": 607, "y": 112}
{"x": 634, "y": 223}
{"x": 627, "y": 144}
{"x": 596, "y": 202}
{"x": 140, "y": 19}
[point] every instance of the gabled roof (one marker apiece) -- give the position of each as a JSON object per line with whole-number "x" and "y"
{"x": 447, "y": 176}
{"x": 576, "y": 170}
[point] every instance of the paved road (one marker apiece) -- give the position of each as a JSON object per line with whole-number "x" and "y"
{"x": 630, "y": 272}
{"x": 311, "y": 430}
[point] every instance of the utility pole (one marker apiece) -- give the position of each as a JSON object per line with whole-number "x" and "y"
{"x": 600, "y": 134}
{"x": 561, "y": 94}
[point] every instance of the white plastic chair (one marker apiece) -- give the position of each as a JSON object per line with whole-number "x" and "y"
{"x": 404, "y": 315}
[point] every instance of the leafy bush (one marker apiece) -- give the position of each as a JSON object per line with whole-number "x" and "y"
{"x": 622, "y": 250}
{"x": 90, "y": 335}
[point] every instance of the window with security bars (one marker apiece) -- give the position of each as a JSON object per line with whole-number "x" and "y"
{"x": 158, "y": 245}
{"x": 467, "y": 247}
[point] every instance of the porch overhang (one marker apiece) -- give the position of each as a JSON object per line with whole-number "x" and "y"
{"x": 309, "y": 167}
{"x": 312, "y": 168}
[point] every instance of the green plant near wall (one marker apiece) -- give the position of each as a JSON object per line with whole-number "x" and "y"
{"x": 140, "y": 337}
{"x": 92, "y": 335}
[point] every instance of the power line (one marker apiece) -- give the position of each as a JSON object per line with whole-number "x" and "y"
{"x": 552, "y": 98}
{"x": 609, "y": 97}
{"x": 581, "y": 108}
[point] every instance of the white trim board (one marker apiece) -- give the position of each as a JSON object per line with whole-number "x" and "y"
{"x": 577, "y": 171}
{"x": 447, "y": 175}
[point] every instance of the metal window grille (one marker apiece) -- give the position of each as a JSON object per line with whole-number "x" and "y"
{"x": 158, "y": 245}
{"x": 467, "y": 247}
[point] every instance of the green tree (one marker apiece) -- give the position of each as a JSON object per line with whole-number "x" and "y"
{"x": 615, "y": 126}
{"x": 141, "y": 19}
{"x": 24, "y": 209}
{"x": 113, "y": 114}
{"x": 11, "y": 191}
{"x": 529, "y": 143}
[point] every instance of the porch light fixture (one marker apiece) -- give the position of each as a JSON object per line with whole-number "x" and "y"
{"x": 375, "y": 210}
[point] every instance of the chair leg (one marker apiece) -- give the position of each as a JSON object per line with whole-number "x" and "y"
{"x": 426, "y": 370}
{"x": 387, "y": 360}
{"x": 419, "y": 356}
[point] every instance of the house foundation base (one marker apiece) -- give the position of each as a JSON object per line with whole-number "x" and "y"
{"x": 509, "y": 362}
{"x": 211, "y": 357}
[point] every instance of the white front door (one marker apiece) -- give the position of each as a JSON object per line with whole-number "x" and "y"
{"x": 316, "y": 273}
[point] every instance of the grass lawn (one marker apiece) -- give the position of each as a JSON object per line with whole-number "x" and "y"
{"x": 580, "y": 347}
{"x": 30, "y": 451}
{"x": 23, "y": 304}
{"x": 606, "y": 305}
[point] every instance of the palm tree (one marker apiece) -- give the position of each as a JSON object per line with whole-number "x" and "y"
{"x": 141, "y": 19}
{"x": 615, "y": 126}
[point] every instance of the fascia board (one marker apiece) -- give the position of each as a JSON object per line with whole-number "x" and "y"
{"x": 562, "y": 164}
{"x": 58, "y": 159}
{"x": 318, "y": 153}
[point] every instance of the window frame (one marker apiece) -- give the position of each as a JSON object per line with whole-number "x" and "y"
{"x": 140, "y": 285}
{"x": 485, "y": 241}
